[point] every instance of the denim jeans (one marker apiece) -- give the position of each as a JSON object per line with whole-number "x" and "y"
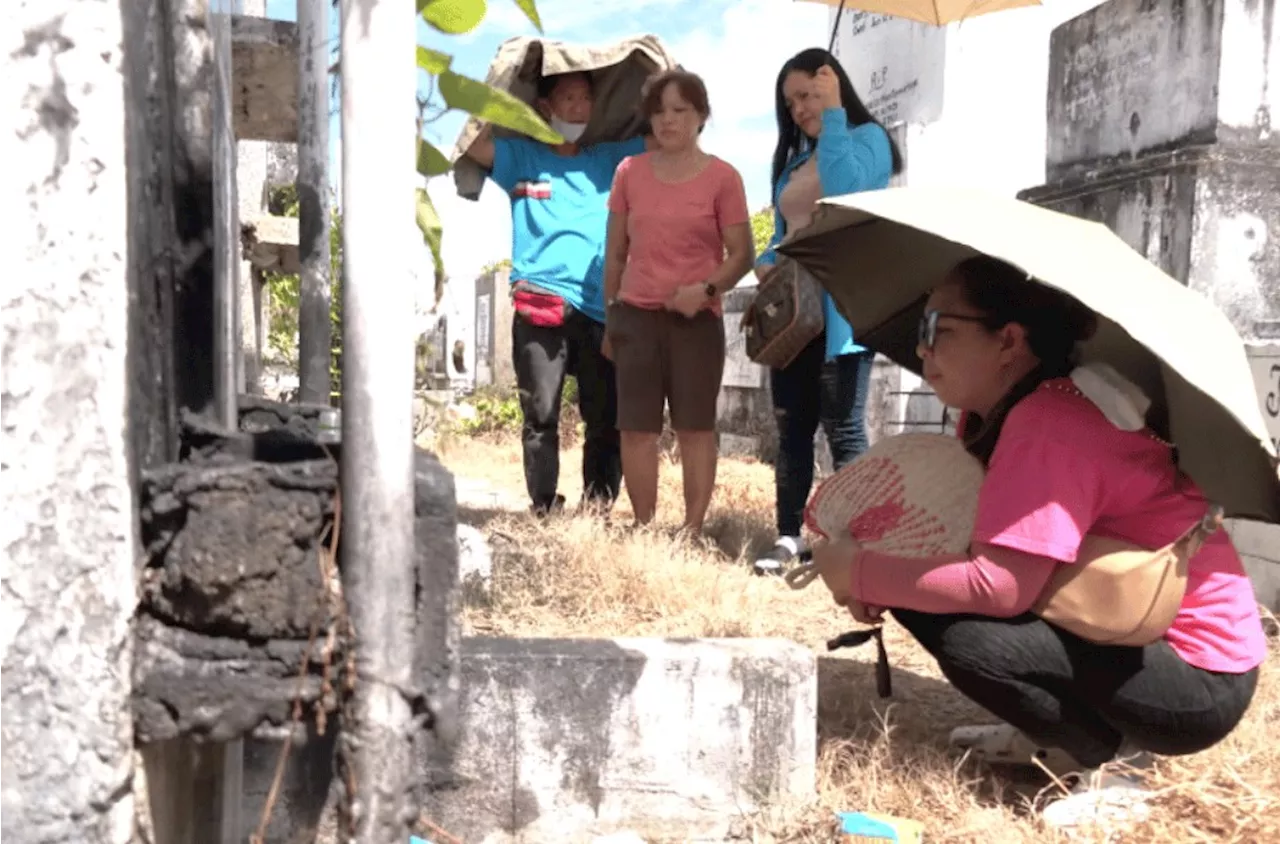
{"x": 1087, "y": 699}
{"x": 543, "y": 357}
{"x": 810, "y": 392}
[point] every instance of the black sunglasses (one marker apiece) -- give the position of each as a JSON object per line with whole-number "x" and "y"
{"x": 927, "y": 332}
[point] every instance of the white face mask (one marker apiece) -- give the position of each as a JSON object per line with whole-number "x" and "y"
{"x": 570, "y": 131}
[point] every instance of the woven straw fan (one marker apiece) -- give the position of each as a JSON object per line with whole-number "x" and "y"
{"x": 912, "y": 495}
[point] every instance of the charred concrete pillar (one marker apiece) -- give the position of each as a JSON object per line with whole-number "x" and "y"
{"x": 1159, "y": 126}
{"x": 183, "y": 323}
{"x": 69, "y": 517}
{"x": 240, "y": 633}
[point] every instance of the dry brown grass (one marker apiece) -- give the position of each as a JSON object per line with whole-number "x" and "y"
{"x": 578, "y": 576}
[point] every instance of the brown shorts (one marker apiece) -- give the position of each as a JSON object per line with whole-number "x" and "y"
{"x": 662, "y": 356}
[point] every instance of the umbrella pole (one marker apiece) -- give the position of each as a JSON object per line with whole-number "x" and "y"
{"x": 831, "y": 47}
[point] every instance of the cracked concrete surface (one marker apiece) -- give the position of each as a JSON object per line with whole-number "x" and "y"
{"x": 68, "y": 530}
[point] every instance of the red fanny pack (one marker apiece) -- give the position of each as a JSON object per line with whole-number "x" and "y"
{"x": 537, "y": 307}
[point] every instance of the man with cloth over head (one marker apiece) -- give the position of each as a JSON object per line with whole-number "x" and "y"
{"x": 558, "y": 218}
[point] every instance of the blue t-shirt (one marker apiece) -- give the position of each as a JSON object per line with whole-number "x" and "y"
{"x": 559, "y": 214}
{"x": 850, "y": 159}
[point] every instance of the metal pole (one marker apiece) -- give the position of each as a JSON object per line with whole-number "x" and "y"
{"x": 379, "y": 80}
{"x": 226, "y": 263}
{"x": 314, "y": 328}
{"x": 232, "y": 796}
{"x": 835, "y": 28}
{"x": 227, "y": 354}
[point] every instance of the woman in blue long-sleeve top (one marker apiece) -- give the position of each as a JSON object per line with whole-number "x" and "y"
{"x": 828, "y": 145}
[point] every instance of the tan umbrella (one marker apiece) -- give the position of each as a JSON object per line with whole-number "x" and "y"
{"x": 936, "y": 12}
{"x": 880, "y": 252}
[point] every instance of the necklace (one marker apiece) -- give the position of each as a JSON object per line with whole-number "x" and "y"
{"x": 1070, "y": 389}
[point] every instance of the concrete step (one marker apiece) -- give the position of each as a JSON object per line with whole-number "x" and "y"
{"x": 264, "y": 79}
{"x": 478, "y": 494}
{"x": 271, "y": 243}
{"x": 564, "y": 740}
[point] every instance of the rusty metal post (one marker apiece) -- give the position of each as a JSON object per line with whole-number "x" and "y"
{"x": 379, "y": 80}
{"x": 314, "y": 326}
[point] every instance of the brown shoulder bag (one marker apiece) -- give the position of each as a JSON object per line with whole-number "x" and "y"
{"x": 785, "y": 315}
{"x": 1117, "y": 593}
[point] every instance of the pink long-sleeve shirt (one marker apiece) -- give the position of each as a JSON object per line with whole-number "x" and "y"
{"x": 1061, "y": 470}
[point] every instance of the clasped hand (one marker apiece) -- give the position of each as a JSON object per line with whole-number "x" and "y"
{"x": 835, "y": 561}
{"x": 688, "y": 299}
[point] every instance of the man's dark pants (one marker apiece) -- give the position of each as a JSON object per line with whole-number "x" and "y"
{"x": 544, "y": 355}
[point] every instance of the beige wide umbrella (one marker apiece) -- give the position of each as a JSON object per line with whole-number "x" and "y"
{"x": 936, "y": 12}
{"x": 879, "y": 253}
{"x": 618, "y": 70}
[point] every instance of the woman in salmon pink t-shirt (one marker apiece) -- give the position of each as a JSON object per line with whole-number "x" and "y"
{"x": 679, "y": 236}
{"x": 1067, "y": 454}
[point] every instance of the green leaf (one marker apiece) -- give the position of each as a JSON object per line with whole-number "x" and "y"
{"x": 433, "y": 61}
{"x": 762, "y": 229}
{"x": 432, "y": 232}
{"x": 431, "y": 161}
{"x": 495, "y": 106}
{"x": 453, "y": 17}
{"x": 531, "y": 12}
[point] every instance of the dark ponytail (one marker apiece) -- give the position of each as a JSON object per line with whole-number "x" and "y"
{"x": 1055, "y": 323}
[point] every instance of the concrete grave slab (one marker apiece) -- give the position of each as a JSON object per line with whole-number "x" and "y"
{"x": 566, "y": 740}
{"x": 264, "y": 55}
{"x": 1132, "y": 77}
{"x": 735, "y": 445}
{"x": 271, "y": 243}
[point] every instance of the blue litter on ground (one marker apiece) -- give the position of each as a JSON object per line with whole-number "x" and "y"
{"x": 874, "y": 826}
{"x": 856, "y": 823}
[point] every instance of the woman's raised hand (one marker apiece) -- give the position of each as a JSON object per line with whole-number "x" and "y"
{"x": 826, "y": 87}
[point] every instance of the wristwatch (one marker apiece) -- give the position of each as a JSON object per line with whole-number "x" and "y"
{"x": 710, "y": 289}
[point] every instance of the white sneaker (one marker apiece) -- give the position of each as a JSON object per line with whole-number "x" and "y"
{"x": 776, "y": 560}
{"x": 1103, "y": 797}
{"x": 1001, "y": 744}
